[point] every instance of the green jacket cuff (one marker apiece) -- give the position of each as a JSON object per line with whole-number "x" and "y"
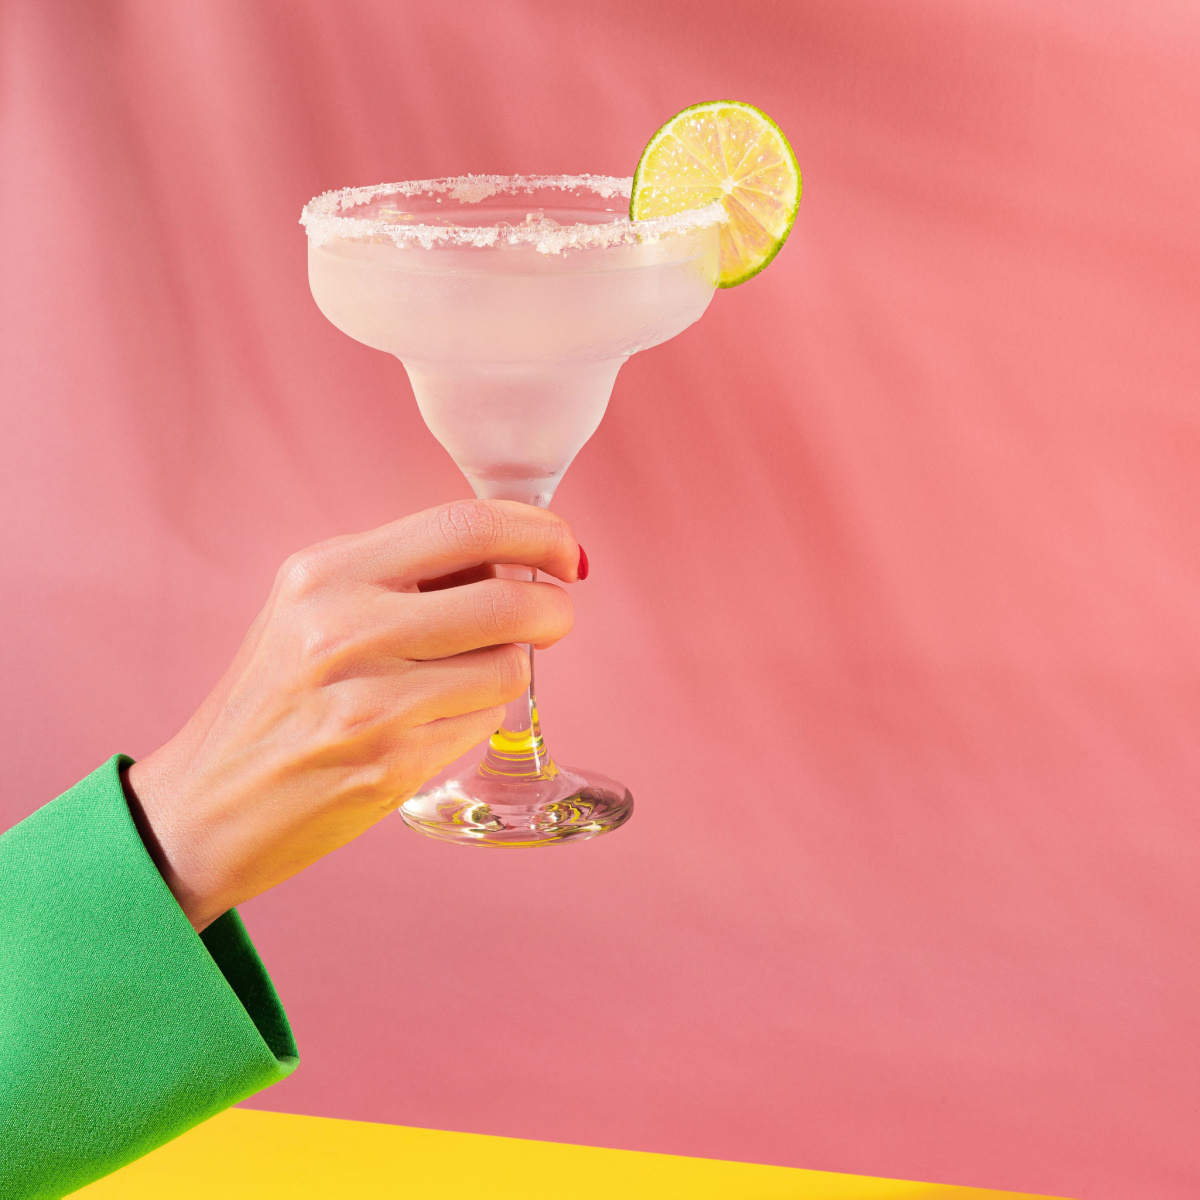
{"x": 120, "y": 1027}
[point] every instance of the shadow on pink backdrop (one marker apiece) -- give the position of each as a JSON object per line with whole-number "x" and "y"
{"x": 894, "y": 620}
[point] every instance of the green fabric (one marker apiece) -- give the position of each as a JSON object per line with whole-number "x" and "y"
{"x": 120, "y": 1028}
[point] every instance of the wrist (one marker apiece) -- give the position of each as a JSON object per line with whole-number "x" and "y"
{"x": 147, "y": 792}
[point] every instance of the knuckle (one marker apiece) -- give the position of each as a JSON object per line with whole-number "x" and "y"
{"x": 485, "y": 722}
{"x": 444, "y": 741}
{"x": 564, "y": 613}
{"x": 373, "y": 775}
{"x": 497, "y": 609}
{"x": 510, "y": 666}
{"x": 295, "y": 576}
{"x": 560, "y": 534}
{"x": 470, "y": 527}
{"x": 555, "y": 535}
{"x": 305, "y": 572}
{"x": 553, "y": 617}
{"x": 321, "y": 642}
{"x": 354, "y": 713}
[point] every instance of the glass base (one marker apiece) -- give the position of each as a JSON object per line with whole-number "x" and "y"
{"x": 479, "y": 809}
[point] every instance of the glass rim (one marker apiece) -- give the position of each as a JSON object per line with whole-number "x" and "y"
{"x": 324, "y": 217}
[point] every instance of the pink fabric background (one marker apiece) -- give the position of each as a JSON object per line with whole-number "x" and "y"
{"x": 894, "y": 622}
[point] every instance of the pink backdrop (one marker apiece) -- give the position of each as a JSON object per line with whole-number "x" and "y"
{"x": 893, "y": 622}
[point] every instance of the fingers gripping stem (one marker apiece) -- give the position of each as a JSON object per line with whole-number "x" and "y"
{"x": 516, "y": 751}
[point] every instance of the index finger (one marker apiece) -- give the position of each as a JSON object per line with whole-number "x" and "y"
{"x": 458, "y": 536}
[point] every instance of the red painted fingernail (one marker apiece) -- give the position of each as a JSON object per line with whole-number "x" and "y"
{"x": 581, "y": 571}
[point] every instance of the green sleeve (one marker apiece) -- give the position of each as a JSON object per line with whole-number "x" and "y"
{"x": 119, "y": 1027}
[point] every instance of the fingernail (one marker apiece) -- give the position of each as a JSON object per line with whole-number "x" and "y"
{"x": 581, "y": 572}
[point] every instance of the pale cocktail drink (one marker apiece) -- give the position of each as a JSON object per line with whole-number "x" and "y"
{"x": 512, "y": 346}
{"x": 512, "y": 302}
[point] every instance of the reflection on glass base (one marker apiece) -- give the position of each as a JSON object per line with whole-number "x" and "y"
{"x": 475, "y": 809}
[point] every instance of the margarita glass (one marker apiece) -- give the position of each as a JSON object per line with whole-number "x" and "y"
{"x": 512, "y": 302}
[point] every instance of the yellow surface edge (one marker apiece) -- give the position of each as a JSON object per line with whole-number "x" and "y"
{"x": 246, "y": 1153}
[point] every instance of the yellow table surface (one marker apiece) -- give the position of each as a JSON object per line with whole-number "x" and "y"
{"x": 244, "y": 1154}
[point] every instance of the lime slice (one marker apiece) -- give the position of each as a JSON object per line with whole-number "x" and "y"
{"x": 727, "y": 152}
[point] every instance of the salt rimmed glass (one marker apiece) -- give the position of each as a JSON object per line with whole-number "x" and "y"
{"x": 512, "y": 302}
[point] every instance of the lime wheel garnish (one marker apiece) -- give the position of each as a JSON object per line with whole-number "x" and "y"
{"x": 729, "y": 153}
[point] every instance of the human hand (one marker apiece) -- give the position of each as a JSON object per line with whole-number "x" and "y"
{"x": 379, "y": 658}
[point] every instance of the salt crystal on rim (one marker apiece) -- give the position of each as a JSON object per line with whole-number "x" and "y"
{"x": 324, "y": 217}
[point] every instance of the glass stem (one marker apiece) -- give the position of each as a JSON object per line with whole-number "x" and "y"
{"x": 516, "y": 750}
